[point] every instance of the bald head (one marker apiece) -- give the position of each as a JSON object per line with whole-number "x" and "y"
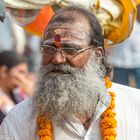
{"x": 70, "y": 19}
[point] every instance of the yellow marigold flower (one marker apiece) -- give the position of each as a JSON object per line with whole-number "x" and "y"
{"x": 112, "y": 94}
{"x": 108, "y": 84}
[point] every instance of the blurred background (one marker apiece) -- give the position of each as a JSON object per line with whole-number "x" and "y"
{"x": 125, "y": 57}
{"x": 13, "y": 37}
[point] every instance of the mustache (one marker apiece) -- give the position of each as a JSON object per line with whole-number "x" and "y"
{"x": 61, "y": 68}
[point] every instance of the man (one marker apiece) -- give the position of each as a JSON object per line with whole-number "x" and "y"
{"x": 70, "y": 93}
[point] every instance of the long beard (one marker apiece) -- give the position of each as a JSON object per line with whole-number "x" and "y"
{"x": 68, "y": 93}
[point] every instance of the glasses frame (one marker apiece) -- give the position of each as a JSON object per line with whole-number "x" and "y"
{"x": 61, "y": 50}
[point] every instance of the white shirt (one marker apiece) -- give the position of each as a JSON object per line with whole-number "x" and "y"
{"x": 20, "y": 123}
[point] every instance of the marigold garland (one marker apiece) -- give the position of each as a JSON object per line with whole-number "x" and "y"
{"x": 44, "y": 128}
{"x": 108, "y": 121}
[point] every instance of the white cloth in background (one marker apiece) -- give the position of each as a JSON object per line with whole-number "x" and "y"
{"x": 12, "y": 36}
{"x": 127, "y": 53}
{"x": 7, "y": 40}
{"x": 20, "y": 38}
{"x": 27, "y": 4}
{"x": 20, "y": 123}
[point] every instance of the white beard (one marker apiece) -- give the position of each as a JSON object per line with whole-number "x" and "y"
{"x": 67, "y": 95}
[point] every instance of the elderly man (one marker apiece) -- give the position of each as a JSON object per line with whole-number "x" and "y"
{"x": 71, "y": 101}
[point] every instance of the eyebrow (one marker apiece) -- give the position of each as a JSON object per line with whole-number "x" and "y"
{"x": 71, "y": 45}
{"x": 64, "y": 44}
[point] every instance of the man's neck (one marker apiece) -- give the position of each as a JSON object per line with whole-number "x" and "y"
{"x": 85, "y": 120}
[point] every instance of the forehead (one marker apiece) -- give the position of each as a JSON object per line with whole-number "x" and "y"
{"x": 76, "y": 29}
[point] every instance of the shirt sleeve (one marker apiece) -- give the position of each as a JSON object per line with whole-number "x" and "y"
{"x": 8, "y": 128}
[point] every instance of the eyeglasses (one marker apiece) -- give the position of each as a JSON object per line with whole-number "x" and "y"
{"x": 51, "y": 50}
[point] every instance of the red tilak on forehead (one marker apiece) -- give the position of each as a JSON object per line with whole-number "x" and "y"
{"x": 57, "y": 38}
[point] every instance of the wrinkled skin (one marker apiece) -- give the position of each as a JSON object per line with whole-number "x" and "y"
{"x": 71, "y": 33}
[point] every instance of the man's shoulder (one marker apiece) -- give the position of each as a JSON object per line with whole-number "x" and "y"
{"x": 126, "y": 94}
{"x": 25, "y": 105}
{"x": 21, "y": 111}
{"x": 120, "y": 89}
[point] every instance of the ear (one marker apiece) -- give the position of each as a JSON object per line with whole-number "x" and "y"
{"x": 3, "y": 71}
{"x": 99, "y": 52}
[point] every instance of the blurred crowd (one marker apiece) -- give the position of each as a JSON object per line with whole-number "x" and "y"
{"x": 19, "y": 58}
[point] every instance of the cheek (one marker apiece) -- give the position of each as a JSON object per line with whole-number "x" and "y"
{"x": 46, "y": 59}
{"x": 12, "y": 76}
{"x": 80, "y": 60}
{"x": 10, "y": 81}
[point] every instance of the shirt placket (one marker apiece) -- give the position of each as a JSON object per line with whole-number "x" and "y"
{"x": 101, "y": 107}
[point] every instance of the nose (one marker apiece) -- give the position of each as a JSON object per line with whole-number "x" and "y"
{"x": 58, "y": 58}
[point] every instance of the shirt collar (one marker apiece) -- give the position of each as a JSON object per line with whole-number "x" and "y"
{"x": 77, "y": 128}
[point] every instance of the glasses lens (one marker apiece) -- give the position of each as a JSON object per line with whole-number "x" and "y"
{"x": 48, "y": 49}
{"x": 70, "y": 51}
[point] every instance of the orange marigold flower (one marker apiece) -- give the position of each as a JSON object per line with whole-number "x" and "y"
{"x": 44, "y": 132}
{"x": 45, "y": 125}
{"x": 109, "y": 132}
{"x": 109, "y": 113}
{"x": 112, "y": 105}
{"x": 109, "y": 138}
{"x": 108, "y": 122}
{"x": 42, "y": 125}
{"x": 48, "y": 126}
{"x": 45, "y": 138}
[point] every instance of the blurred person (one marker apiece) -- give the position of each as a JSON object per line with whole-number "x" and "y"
{"x": 71, "y": 101}
{"x": 15, "y": 80}
{"x": 125, "y": 57}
